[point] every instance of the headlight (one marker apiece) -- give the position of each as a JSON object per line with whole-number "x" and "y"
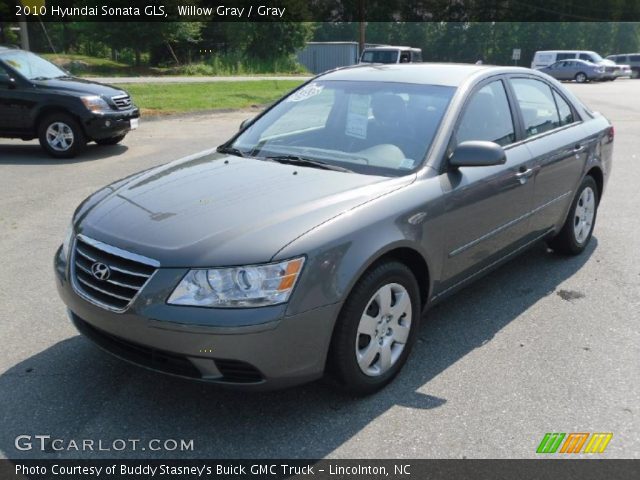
{"x": 66, "y": 244}
{"x": 95, "y": 104}
{"x": 250, "y": 286}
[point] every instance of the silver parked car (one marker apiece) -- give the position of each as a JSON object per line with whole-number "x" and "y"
{"x": 579, "y": 70}
{"x": 312, "y": 241}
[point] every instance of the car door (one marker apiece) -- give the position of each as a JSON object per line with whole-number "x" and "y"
{"x": 14, "y": 104}
{"x": 486, "y": 207}
{"x": 555, "y": 70}
{"x": 554, "y": 136}
{"x": 571, "y": 69}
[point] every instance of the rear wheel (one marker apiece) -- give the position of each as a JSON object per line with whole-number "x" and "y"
{"x": 577, "y": 229}
{"x": 581, "y": 77}
{"x": 61, "y": 136}
{"x": 110, "y": 140}
{"x": 376, "y": 329}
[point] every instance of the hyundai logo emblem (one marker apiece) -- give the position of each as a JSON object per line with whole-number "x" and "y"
{"x": 100, "y": 271}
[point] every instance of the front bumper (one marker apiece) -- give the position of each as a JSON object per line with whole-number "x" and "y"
{"x": 259, "y": 348}
{"x": 110, "y": 124}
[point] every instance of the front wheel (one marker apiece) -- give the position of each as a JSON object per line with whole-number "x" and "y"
{"x": 578, "y": 228}
{"x": 376, "y": 329}
{"x": 61, "y": 136}
{"x": 110, "y": 140}
{"x": 581, "y": 77}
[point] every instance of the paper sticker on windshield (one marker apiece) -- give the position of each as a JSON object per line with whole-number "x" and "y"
{"x": 358, "y": 116}
{"x": 407, "y": 164}
{"x": 304, "y": 93}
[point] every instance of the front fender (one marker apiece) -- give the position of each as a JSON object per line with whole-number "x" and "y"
{"x": 340, "y": 251}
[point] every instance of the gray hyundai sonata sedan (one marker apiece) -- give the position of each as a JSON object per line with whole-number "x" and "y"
{"x": 312, "y": 242}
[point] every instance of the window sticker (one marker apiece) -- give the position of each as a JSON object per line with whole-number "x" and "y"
{"x": 305, "y": 93}
{"x": 358, "y": 116}
{"x": 407, "y": 164}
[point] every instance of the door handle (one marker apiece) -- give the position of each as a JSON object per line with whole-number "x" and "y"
{"x": 578, "y": 148}
{"x": 524, "y": 174}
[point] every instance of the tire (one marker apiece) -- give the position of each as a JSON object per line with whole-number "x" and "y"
{"x": 61, "y": 136}
{"x": 110, "y": 140}
{"x": 581, "y": 77}
{"x": 576, "y": 232}
{"x": 367, "y": 349}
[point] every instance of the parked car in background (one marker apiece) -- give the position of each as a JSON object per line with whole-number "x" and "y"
{"x": 40, "y": 100}
{"x": 313, "y": 240}
{"x": 544, "y": 58}
{"x": 391, "y": 54}
{"x": 630, "y": 59}
{"x": 579, "y": 70}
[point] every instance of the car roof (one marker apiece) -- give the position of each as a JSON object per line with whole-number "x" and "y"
{"x": 445, "y": 74}
{"x": 579, "y": 60}
{"x": 390, "y": 47}
{"x": 565, "y": 51}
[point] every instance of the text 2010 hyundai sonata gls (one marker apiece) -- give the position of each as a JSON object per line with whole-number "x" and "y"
{"x": 313, "y": 240}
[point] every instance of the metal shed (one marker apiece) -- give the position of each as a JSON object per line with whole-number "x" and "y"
{"x": 319, "y": 57}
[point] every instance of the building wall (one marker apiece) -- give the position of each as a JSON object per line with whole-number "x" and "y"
{"x": 319, "y": 57}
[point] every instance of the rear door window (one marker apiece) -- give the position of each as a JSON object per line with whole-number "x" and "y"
{"x": 537, "y": 105}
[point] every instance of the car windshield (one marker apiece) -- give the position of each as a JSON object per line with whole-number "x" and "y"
{"x": 380, "y": 56}
{"x": 374, "y": 128}
{"x": 31, "y": 66}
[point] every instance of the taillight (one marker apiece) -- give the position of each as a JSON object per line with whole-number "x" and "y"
{"x": 612, "y": 133}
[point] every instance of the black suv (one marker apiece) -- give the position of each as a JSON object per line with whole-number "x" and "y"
{"x": 39, "y": 99}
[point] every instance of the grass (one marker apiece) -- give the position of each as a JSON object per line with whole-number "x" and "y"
{"x": 214, "y": 65}
{"x": 85, "y": 65}
{"x": 168, "y": 98}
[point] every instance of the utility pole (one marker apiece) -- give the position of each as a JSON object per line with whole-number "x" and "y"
{"x": 24, "y": 33}
{"x": 362, "y": 26}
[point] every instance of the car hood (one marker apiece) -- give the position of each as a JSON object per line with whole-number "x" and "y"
{"x": 73, "y": 85}
{"x": 219, "y": 210}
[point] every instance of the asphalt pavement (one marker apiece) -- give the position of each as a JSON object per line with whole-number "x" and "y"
{"x": 544, "y": 344}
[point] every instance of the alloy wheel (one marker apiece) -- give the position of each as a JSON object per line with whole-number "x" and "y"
{"x": 584, "y": 215}
{"x": 60, "y": 136}
{"x": 383, "y": 330}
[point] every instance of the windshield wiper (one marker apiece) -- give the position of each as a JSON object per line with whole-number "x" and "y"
{"x": 306, "y": 162}
{"x": 42, "y": 78}
{"x": 230, "y": 151}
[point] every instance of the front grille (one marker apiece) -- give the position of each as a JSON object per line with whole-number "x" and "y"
{"x": 123, "y": 102}
{"x": 609, "y": 69}
{"x": 233, "y": 371}
{"x": 126, "y": 273}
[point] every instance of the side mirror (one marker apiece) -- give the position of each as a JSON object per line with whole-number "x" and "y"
{"x": 8, "y": 81}
{"x": 245, "y": 123}
{"x": 477, "y": 153}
